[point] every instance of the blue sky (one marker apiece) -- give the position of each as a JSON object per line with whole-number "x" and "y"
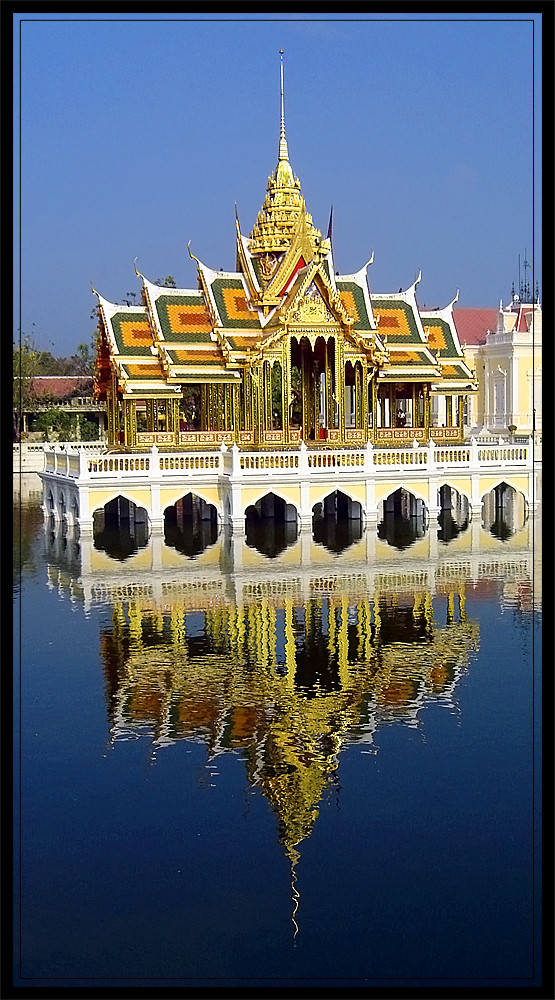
{"x": 140, "y": 133}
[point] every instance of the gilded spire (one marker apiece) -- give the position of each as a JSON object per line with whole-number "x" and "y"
{"x": 278, "y": 218}
{"x": 283, "y": 153}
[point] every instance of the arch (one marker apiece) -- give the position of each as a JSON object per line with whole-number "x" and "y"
{"x": 337, "y": 520}
{"x": 505, "y": 509}
{"x": 417, "y": 494}
{"x": 404, "y": 518}
{"x": 454, "y": 485}
{"x": 454, "y": 512}
{"x": 120, "y": 526}
{"x": 339, "y": 503}
{"x": 209, "y": 501}
{"x": 271, "y": 524}
{"x": 505, "y": 480}
{"x": 279, "y": 495}
{"x": 191, "y": 524}
{"x": 125, "y": 496}
{"x": 265, "y": 507}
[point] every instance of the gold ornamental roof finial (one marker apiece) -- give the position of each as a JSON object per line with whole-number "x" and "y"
{"x": 283, "y": 152}
{"x": 278, "y": 219}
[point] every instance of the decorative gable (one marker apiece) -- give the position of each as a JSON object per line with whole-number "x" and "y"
{"x": 311, "y": 308}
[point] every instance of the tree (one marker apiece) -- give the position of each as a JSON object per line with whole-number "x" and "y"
{"x": 66, "y": 426}
{"x": 47, "y": 364}
{"x": 83, "y": 362}
{"x": 25, "y": 364}
{"x": 54, "y": 421}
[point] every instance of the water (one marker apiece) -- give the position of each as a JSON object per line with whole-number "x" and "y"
{"x": 311, "y": 766}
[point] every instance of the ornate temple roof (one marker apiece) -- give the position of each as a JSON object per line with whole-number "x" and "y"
{"x": 443, "y": 340}
{"x": 285, "y": 277}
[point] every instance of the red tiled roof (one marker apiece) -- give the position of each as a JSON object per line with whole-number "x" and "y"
{"x": 63, "y": 386}
{"x": 473, "y": 324}
{"x": 522, "y": 325}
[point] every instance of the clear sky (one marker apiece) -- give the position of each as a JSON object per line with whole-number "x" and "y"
{"x": 141, "y": 132}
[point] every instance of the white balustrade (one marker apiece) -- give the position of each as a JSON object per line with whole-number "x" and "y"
{"x": 303, "y": 462}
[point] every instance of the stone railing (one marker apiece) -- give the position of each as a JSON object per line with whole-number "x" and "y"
{"x": 33, "y": 456}
{"x": 302, "y": 462}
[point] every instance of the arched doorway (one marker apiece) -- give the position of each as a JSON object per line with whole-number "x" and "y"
{"x": 403, "y": 519}
{"x": 271, "y": 524}
{"x": 190, "y": 525}
{"x": 120, "y": 528}
{"x": 454, "y": 516}
{"x": 337, "y": 521}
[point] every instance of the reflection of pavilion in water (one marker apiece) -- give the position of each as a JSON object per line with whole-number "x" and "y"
{"x": 286, "y": 660}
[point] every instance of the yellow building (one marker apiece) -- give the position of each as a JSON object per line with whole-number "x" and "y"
{"x": 281, "y": 350}
{"x": 505, "y": 349}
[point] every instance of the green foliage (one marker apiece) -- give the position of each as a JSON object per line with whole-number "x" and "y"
{"x": 54, "y": 420}
{"x": 65, "y": 426}
{"x": 47, "y": 364}
{"x": 88, "y": 430}
{"x": 25, "y": 359}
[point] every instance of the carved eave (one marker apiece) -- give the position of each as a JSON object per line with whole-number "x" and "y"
{"x": 245, "y": 265}
{"x": 205, "y": 275}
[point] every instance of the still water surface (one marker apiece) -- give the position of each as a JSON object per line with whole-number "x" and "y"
{"x": 316, "y": 768}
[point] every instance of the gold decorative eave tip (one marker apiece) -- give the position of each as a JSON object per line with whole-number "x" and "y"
{"x": 191, "y": 255}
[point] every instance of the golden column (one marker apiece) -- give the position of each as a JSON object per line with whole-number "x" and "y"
{"x": 340, "y": 387}
{"x": 128, "y": 423}
{"x": 460, "y": 415}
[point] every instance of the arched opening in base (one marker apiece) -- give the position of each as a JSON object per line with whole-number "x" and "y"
{"x": 402, "y": 520}
{"x": 190, "y": 525}
{"x": 504, "y": 511}
{"x": 271, "y": 525}
{"x": 120, "y": 528}
{"x": 337, "y": 521}
{"x": 454, "y": 516}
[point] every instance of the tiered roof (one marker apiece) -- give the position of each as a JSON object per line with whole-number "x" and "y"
{"x": 285, "y": 278}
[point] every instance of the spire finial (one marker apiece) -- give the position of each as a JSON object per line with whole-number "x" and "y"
{"x": 283, "y": 152}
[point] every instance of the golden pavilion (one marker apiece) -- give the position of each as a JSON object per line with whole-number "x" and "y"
{"x": 281, "y": 350}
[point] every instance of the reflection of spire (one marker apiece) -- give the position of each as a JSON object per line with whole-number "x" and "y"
{"x": 295, "y": 896}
